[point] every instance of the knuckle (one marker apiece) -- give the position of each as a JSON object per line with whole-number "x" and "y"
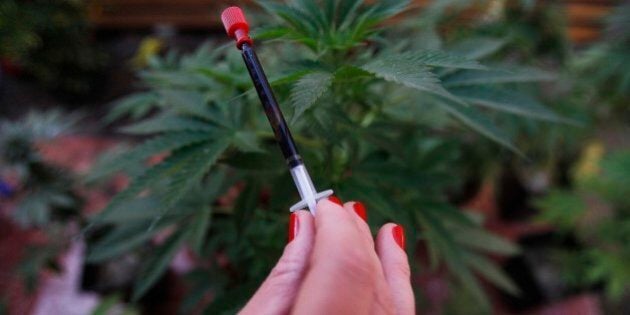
{"x": 287, "y": 269}
{"x": 358, "y": 265}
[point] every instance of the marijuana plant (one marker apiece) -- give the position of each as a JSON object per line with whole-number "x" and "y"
{"x": 377, "y": 119}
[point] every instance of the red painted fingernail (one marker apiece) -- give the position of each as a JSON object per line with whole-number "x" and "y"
{"x": 359, "y": 208}
{"x": 335, "y": 200}
{"x": 294, "y": 225}
{"x": 399, "y": 236}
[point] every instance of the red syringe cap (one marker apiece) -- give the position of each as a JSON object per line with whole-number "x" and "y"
{"x": 236, "y": 26}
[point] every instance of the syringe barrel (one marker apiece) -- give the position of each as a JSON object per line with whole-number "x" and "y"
{"x": 271, "y": 107}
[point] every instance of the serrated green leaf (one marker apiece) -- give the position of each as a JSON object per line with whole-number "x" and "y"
{"x": 491, "y": 272}
{"x": 443, "y": 59}
{"x": 140, "y": 209}
{"x": 158, "y": 263}
{"x": 167, "y": 123}
{"x": 308, "y": 89}
{"x": 181, "y": 170}
{"x": 441, "y": 238}
{"x": 296, "y": 19}
{"x": 149, "y": 148}
{"x": 480, "y": 123}
{"x": 405, "y": 70}
{"x": 122, "y": 239}
{"x": 481, "y": 240}
{"x": 508, "y": 101}
{"x": 199, "y": 228}
{"x": 510, "y": 75}
{"x": 183, "y": 176}
{"x": 436, "y": 235}
{"x": 449, "y": 214}
{"x": 188, "y": 103}
{"x": 136, "y": 105}
{"x": 246, "y": 141}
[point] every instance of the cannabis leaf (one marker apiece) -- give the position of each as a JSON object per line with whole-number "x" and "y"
{"x": 181, "y": 170}
{"x": 308, "y": 89}
{"x": 479, "y": 122}
{"x": 491, "y": 272}
{"x": 477, "y": 47}
{"x": 136, "y": 105}
{"x": 404, "y": 69}
{"x": 167, "y": 123}
{"x": 441, "y": 59}
{"x": 507, "y": 100}
{"x": 149, "y": 148}
{"x": 505, "y": 75}
{"x": 157, "y": 264}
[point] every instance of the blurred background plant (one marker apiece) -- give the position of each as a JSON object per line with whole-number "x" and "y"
{"x": 596, "y": 212}
{"x": 50, "y": 41}
{"x": 593, "y": 207}
{"x": 45, "y": 190}
{"x": 604, "y": 67}
{"x": 43, "y": 193}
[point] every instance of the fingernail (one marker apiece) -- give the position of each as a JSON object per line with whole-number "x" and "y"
{"x": 335, "y": 200}
{"x": 399, "y": 236}
{"x": 359, "y": 208}
{"x": 294, "y": 225}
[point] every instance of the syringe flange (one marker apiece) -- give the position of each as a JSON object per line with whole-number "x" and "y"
{"x": 304, "y": 204}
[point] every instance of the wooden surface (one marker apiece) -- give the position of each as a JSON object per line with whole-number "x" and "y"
{"x": 144, "y": 14}
{"x": 584, "y": 17}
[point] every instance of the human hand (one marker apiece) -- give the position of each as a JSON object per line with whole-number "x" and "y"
{"x": 332, "y": 266}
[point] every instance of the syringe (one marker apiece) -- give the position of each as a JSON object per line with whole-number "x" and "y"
{"x": 238, "y": 28}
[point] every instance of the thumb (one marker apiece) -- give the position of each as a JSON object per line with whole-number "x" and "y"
{"x": 277, "y": 293}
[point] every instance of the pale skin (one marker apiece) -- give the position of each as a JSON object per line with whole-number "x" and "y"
{"x": 334, "y": 266}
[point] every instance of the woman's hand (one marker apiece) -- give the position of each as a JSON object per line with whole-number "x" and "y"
{"x": 332, "y": 266}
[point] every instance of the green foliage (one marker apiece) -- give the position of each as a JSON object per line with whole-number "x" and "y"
{"x": 598, "y": 212}
{"x": 308, "y": 90}
{"x": 605, "y": 66}
{"x": 373, "y": 118}
{"x": 43, "y": 195}
{"x": 45, "y": 191}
